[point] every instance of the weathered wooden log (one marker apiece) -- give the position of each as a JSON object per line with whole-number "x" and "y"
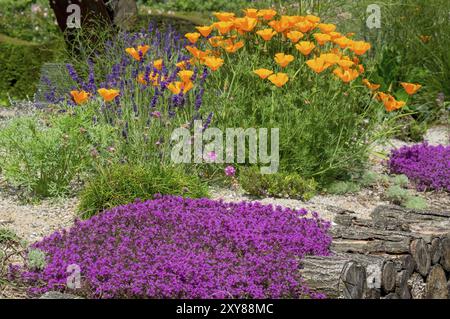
{"x": 389, "y": 217}
{"x": 388, "y": 276}
{"x": 350, "y": 276}
{"x": 401, "y": 285}
{"x": 335, "y": 276}
{"x": 445, "y": 258}
{"x": 392, "y": 296}
{"x": 436, "y": 287}
{"x": 435, "y": 251}
{"x": 364, "y": 240}
{"x": 421, "y": 255}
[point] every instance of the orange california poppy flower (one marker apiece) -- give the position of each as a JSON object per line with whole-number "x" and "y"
{"x": 279, "y": 25}
{"x": 176, "y": 87}
{"x": 193, "y": 37}
{"x": 215, "y": 41}
{"x": 224, "y": 16}
{"x": 139, "y": 52}
{"x": 283, "y": 59}
{"x": 346, "y": 75}
{"x": 182, "y": 65}
{"x": 186, "y": 75}
{"x": 143, "y": 49}
{"x": 108, "y": 95}
{"x": 213, "y": 63}
{"x": 390, "y": 103}
{"x": 312, "y": 18}
{"x": 305, "y": 47}
{"x": 371, "y": 86}
{"x": 266, "y": 34}
{"x": 156, "y": 79}
{"x": 304, "y": 26}
{"x": 411, "y": 88}
{"x": 134, "y": 53}
{"x": 343, "y": 42}
{"x": 80, "y": 97}
{"x": 294, "y": 36}
{"x": 322, "y": 38}
{"x": 267, "y": 14}
{"x": 350, "y": 34}
{"x": 335, "y": 35}
{"x": 158, "y": 64}
{"x": 224, "y": 27}
{"x": 263, "y": 73}
{"x": 345, "y": 64}
{"x": 245, "y": 24}
{"x": 290, "y": 21}
{"x": 251, "y": 13}
{"x": 141, "y": 79}
{"x": 318, "y": 65}
{"x": 232, "y": 48}
{"x": 279, "y": 79}
{"x": 205, "y": 30}
{"x": 330, "y": 58}
{"x": 360, "y": 47}
{"x": 196, "y": 53}
{"x": 326, "y": 27}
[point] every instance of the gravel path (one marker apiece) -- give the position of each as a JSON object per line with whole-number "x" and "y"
{"x": 33, "y": 222}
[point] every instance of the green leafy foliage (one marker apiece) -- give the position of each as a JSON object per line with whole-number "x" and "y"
{"x": 277, "y": 185}
{"x": 44, "y": 155}
{"x": 36, "y": 259}
{"x": 123, "y": 183}
{"x": 343, "y": 187}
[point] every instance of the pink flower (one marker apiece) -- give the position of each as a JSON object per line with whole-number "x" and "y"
{"x": 211, "y": 157}
{"x": 230, "y": 170}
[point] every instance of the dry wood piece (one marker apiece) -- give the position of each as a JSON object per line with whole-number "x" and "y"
{"x": 335, "y": 276}
{"x": 392, "y": 296}
{"x": 401, "y": 283}
{"x": 436, "y": 287}
{"x": 445, "y": 259}
{"x": 435, "y": 251}
{"x": 357, "y": 239}
{"x": 391, "y": 217}
{"x": 388, "y": 277}
{"x": 421, "y": 255}
{"x": 408, "y": 264}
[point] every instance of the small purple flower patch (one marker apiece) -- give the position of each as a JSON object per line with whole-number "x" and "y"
{"x": 425, "y": 165}
{"x": 171, "y": 247}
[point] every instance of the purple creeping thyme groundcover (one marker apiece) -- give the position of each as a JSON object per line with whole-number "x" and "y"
{"x": 425, "y": 165}
{"x": 171, "y": 247}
